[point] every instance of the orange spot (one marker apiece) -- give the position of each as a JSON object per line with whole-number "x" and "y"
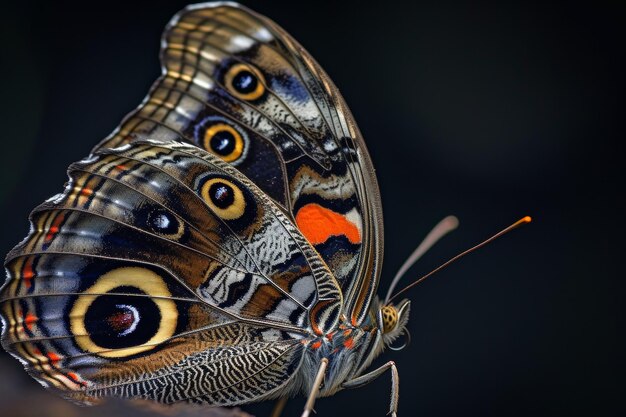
{"x": 54, "y": 227}
{"x": 86, "y": 191}
{"x": 27, "y": 272}
{"x": 349, "y": 343}
{"x": 75, "y": 377}
{"x": 54, "y": 358}
{"x": 29, "y": 320}
{"x": 121, "y": 167}
{"x": 318, "y": 223}
{"x": 51, "y": 232}
{"x": 316, "y": 345}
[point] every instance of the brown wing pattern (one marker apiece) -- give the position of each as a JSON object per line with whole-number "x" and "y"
{"x": 152, "y": 251}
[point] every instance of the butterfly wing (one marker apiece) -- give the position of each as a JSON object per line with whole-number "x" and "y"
{"x": 162, "y": 272}
{"x": 237, "y": 85}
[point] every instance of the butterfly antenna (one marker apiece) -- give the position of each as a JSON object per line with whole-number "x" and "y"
{"x": 518, "y": 223}
{"x": 442, "y": 228}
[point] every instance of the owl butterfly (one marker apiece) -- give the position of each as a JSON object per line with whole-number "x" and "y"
{"x": 222, "y": 246}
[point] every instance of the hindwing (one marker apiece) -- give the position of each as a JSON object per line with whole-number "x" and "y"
{"x": 160, "y": 262}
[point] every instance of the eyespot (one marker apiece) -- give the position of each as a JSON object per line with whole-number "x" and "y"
{"x": 164, "y": 223}
{"x": 224, "y": 141}
{"x": 390, "y": 318}
{"x": 127, "y": 311}
{"x": 219, "y": 136}
{"x": 244, "y": 82}
{"x": 224, "y": 198}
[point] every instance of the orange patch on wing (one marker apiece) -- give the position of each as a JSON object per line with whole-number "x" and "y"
{"x": 54, "y": 358}
{"x": 318, "y": 223}
{"x": 29, "y": 320}
{"x": 27, "y": 272}
{"x": 348, "y": 343}
{"x": 77, "y": 379}
{"x": 54, "y": 228}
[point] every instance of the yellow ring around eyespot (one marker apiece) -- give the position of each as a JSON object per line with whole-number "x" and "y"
{"x": 236, "y": 69}
{"x": 144, "y": 279}
{"x": 232, "y": 212}
{"x": 223, "y": 127}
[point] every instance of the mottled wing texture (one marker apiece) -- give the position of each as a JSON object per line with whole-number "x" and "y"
{"x": 164, "y": 273}
{"x": 237, "y": 85}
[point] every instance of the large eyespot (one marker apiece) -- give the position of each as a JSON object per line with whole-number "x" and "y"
{"x": 127, "y": 311}
{"x": 224, "y": 141}
{"x": 164, "y": 223}
{"x": 244, "y": 82}
{"x": 224, "y": 198}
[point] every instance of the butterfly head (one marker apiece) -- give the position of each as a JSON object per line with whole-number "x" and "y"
{"x": 392, "y": 320}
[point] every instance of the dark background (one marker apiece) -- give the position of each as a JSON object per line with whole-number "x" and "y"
{"x": 488, "y": 113}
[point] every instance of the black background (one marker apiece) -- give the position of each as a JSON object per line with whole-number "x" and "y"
{"x": 486, "y": 112}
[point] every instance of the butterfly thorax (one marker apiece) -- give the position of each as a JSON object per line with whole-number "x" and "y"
{"x": 351, "y": 349}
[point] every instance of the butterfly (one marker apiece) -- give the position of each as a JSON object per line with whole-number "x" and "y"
{"x": 222, "y": 246}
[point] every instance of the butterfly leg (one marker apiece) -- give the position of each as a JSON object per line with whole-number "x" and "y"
{"x": 279, "y": 407}
{"x": 308, "y": 407}
{"x": 369, "y": 377}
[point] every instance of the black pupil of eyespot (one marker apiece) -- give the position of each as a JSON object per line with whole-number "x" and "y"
{"x": 122, "y": 321}
{"x": 222, "y": 195}
{"x": 223, "y": 143}
{"x": 245, "y": 82}
{"x": 163, "y": 222}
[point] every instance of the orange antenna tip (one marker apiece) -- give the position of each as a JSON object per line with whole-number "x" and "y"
{"x": 523, "y": 220}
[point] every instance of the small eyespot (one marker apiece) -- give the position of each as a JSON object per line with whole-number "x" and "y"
{"x": 224, "y": 141}
{"x": 125, "y": 312}
{"x": 223, "y": 138}
{"x": 164, "y": 223}
{"x": 224, "y": 198}
{"x": 244, "y": 82}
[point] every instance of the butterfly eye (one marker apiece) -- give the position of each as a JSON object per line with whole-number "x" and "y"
{"x": 224, "y": 141}
{"x": 244, "y": 82}
{"x": 390, "y": 318}
{"x": 126, "y": 312}
{"x": 164, "y": 223}
{"x": 224, "y": 198}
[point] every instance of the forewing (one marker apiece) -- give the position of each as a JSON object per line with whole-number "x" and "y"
{"x": 237, "y": 85}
